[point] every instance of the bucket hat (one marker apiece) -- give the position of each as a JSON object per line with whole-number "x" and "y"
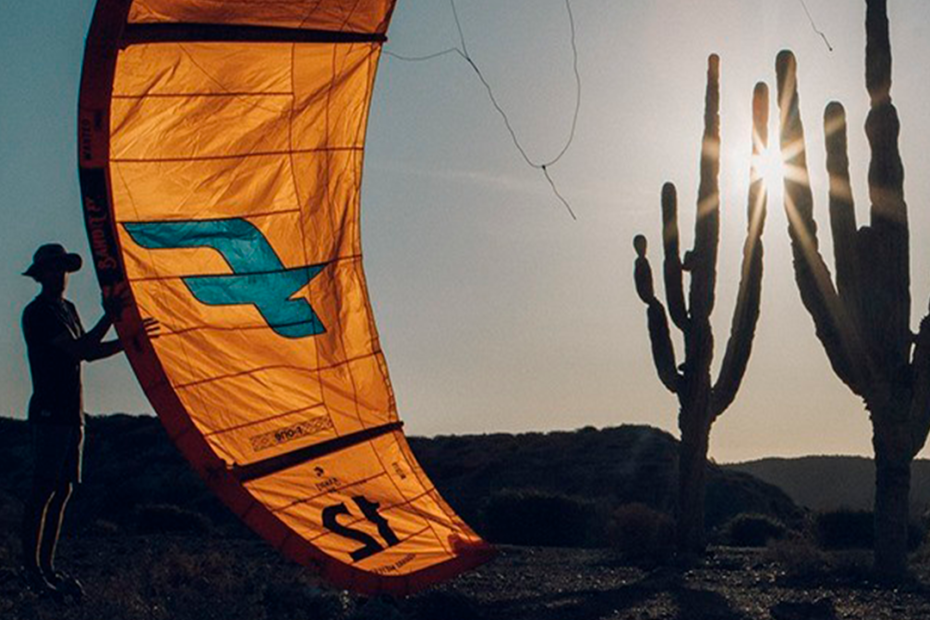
{"x": 53, "y": 254}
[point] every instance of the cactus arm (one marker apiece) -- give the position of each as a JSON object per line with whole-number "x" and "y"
{"x": 746, "y": 313}
{"x": 842, "y": 211}
{"x": 890, "y": 336}
{"x": 832, "y": 324}
{"x": 920, "y": 402}
{"x": 642, "y": 271}
{"x": 672, "y": 268}
{"x": 663, "y": 352}
{"x": 702, "y": 261}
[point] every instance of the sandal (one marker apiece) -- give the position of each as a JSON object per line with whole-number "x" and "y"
{"x": 65, "y": 583}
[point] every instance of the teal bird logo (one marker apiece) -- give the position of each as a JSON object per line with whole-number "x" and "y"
{"x": 258, "y": 277}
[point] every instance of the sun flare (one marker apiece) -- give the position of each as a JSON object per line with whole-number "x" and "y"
{"x": 768, "y": 166}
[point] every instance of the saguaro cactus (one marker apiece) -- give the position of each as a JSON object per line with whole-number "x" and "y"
{"x": 701, "y": 400}
{"x": 864, "y": 322}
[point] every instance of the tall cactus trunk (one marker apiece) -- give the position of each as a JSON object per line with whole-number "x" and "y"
{"x": 892, "y": 499}
{"x": 892, "y": 509}
{"x": 692, "y": 473}
{"x": 864, "y": 321}
{"x": 700, "y": 399}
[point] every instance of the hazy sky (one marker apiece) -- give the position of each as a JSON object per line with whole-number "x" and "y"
{"x": 497, "y": 312}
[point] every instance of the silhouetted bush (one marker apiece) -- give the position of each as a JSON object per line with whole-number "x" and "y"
{"x": 168, "y": 519}
{"x": 641, "y": 533}
{"x": 536, "y": 518}
{"x": 753, "y": 530}
{"x": 798, "y": 557}
{"x": 855, "y": 529}
{"x": 844, "y": 529}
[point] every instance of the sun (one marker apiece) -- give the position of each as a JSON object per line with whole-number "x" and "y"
{"x": 766, "y": 166}
{"x": 769, "y": 167}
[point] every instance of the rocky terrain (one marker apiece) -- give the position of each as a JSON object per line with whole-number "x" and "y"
{"x": 192, "y": 578}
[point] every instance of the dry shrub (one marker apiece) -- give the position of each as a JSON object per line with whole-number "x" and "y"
{"x": 753, "y": 530}
{"x": 798, "y": 557}
{"x": 844, "y": 529}
{"x": 855, "y": 529}
{"x": 641, "y": 533}
{"x": 537, "y": 518}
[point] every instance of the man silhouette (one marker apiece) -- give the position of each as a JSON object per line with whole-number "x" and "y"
{"x": 57, "y": 345}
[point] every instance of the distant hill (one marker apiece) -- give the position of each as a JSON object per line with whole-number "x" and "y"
{"x": 132, "y": 471}
{"x": 830, "y": 482}
{"x": 611, "y": 467}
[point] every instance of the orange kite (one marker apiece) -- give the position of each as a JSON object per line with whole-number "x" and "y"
{"x": 220, "y": 147}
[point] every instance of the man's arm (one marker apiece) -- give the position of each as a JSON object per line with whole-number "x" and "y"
{"x": 103, "y": 350}
{"x": 98, "y": 331}
{"x": 89, "y": 347}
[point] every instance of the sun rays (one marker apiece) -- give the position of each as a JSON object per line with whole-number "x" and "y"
{"x": 767, "y": 166}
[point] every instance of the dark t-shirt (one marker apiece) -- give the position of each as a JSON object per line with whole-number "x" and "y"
{"x": 56, "y": 376}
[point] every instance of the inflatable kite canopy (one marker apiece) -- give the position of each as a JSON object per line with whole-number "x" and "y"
{"x": 220, "y": 152}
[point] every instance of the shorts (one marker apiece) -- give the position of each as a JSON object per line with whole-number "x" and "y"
{"x": 59, "y": 451}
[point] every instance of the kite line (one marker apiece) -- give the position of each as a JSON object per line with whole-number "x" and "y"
{"x": 462, "y": 51}
{"x": 814, "y": 26}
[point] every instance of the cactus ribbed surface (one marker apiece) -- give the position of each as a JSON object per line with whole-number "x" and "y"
{"x": 701, "y": 400}
{"x": 864, "y": 321}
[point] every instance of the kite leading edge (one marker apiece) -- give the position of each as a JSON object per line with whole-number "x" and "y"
{"x": 220, "y": 153}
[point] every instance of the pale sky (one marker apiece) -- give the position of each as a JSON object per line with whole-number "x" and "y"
{"x": 497, "y": 311}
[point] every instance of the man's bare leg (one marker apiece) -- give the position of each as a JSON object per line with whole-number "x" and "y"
{"x": 34, "y": 521}
{"x": 54, "y": 514}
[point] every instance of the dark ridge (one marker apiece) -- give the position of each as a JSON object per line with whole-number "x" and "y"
{"x": 832, "y": 482}
{"x": 131, "y": 469}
